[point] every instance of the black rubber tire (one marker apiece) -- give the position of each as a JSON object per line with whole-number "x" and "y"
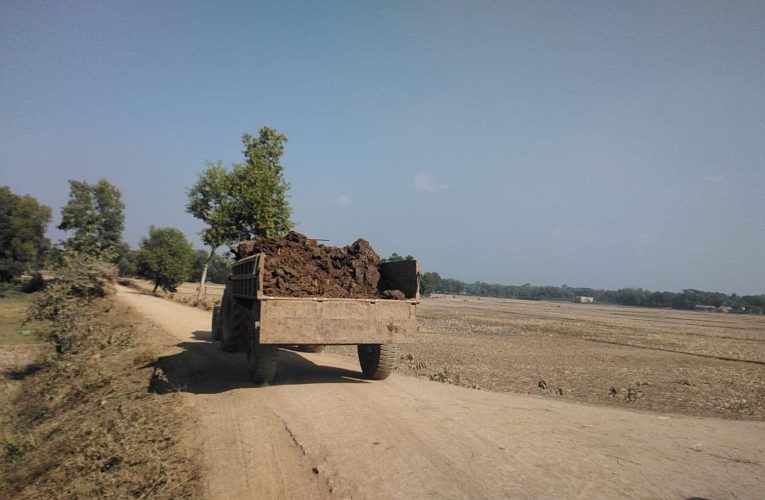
{"x": 310, "y": 348}
{"x": 216, "y": 326}
{"x": 234, "y": 324}
{"x": 262, "y": 361}
{"x": 377, "y": 360}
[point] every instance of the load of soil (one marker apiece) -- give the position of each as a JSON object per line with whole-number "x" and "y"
{"x": 297, "y": 266}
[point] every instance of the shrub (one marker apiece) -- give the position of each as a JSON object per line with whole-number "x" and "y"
{"x": 78, "y": 281}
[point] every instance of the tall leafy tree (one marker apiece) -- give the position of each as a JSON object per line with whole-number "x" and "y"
{"x": 247, "y": 201}
{"x": 96, "y": 215}
{"x": 23, "y": 244}
{"x": 165, "y": 257}
{"x": 217, "y": 268}
{"x": 429, "y": 283}
{"x": 211, "y": 201}
{"x": 259, "y": 190}
{"x": 111, "y": 213}
{"x": 126, "y": 259}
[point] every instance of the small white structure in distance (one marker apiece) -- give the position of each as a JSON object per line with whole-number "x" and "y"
{"x": 586, "y": 300}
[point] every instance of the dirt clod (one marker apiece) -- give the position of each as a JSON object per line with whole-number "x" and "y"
{"x": 297, "y": 266}
{"x": 393, "y": 294}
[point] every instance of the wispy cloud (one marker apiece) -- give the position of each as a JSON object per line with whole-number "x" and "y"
{"x": 426, "y": 183}
{"x": 343, "y": 200}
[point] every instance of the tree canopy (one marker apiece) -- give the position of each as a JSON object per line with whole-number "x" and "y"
{"x": 23, "y": 244}
{"x": 217, "y": 271}
{"x": 211, "y": 201}
{"x": 165, "y": 257}
{"x": 258, "y": 187}
{"x": 429, "y": 283}
{"x": 394, "y": 257}
{"x": 249, "y": 200}
{"x": 96, "y": 214}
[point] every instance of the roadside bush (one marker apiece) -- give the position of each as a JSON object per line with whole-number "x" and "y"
{"x": 81, "y": 423}
{"x": 80, "y": 279}
{"x": 35, "y": 284}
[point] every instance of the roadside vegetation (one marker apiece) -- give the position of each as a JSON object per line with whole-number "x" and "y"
{"x": 23, "y": 245}
{"x": 80, "y": 422}
{"x": 165, "y": 257}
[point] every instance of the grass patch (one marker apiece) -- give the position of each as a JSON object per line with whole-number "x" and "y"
{"x": 13, "y": 309}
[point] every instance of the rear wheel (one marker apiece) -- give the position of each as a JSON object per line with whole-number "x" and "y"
{"x": 377, "y": 360}
{"x": 216, "y": 326}
{"x": 233, "y": 324}
{"x": 262, "y": 361}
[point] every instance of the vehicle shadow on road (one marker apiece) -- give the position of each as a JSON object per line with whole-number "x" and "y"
{"x": 203, "y": 368}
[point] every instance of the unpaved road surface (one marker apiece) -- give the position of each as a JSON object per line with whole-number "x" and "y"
{"x": 320, "y": 431}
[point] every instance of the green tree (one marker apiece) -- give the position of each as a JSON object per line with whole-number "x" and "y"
{"x": 126, "y": 259}
{"x": 23, "y": 244}
{"x": 394, "y": 257}
{"x": 96, "y": 214}
{"x": 165, "y": 257}
{"x": 111, "y": 213}
{"x": 218, "y": 268}
{"x": 248, "y": 201}
{"x": 258, "y": 187}
{"x": 211, "y": 200}
{"x": 429, "y": 283}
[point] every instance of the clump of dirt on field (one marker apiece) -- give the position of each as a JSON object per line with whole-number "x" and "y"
{"x": 297, "y": 266}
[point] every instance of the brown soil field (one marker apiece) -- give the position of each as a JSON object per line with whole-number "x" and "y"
{"x": 693, "y": 363}
{"x": 670, "y": 361}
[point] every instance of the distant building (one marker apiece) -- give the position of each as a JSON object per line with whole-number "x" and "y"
{"x": 702, "y": 307}
{"x": 586, "y": 300}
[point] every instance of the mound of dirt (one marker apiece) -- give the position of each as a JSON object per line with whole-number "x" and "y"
{"x": 297, "y": 266}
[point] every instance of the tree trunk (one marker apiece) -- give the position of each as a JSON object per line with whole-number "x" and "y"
{"x": 204, "y": 273}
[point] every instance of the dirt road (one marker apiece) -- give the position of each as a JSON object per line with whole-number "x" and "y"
{"x": 320, "y": 431}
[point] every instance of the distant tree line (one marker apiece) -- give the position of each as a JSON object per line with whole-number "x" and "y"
{"x": 247, "y": 200}
{"x": 432, "y": 282}
{"x": 94, "y": 220}
{"x": 23, "y": 245}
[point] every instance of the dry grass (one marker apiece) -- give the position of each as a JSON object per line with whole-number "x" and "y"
{"x": 83, "y": 425}
{"x": 12, "y": 310}
{"x": 185, "y": 294}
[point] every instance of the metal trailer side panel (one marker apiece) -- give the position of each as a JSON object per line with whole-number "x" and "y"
{"x": 336, "y": 321}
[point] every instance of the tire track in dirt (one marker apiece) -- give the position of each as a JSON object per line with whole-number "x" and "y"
{"x": 321, "y": 431}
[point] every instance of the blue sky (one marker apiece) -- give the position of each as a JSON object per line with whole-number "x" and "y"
{"x": 602, "y": 144}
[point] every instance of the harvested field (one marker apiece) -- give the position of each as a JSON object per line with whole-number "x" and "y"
{"x": 695, "y": 363}
{"x": 186, "y": 291}
{"x": 19, "y": 344}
